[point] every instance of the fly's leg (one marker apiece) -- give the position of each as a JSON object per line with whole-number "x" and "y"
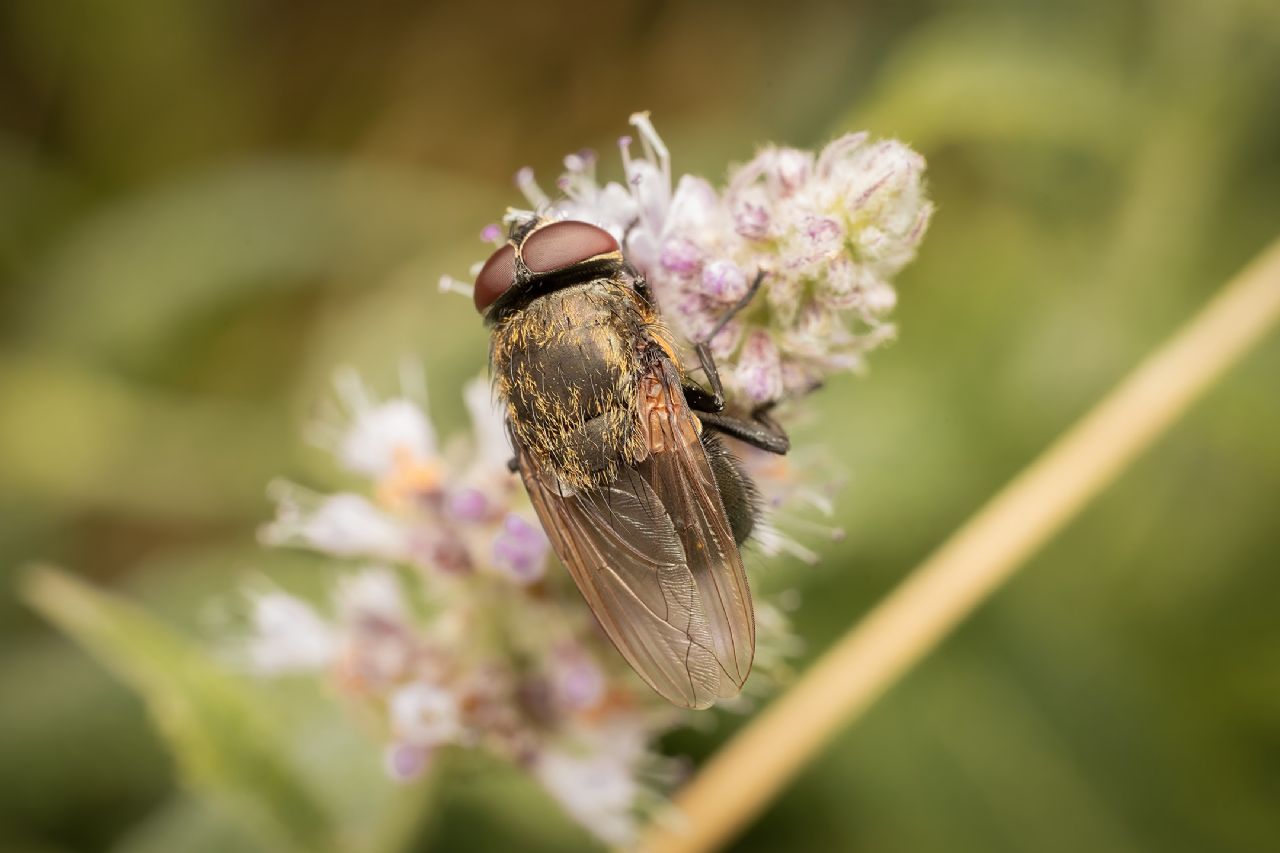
{"x": 640, "y": 283}
{"x": 699, "y": 399}
{"x": 638, "y": 280}
{"x": 513, "y": 464}
{"x": 760, "y": 429}
{"x": 714, "y": 402}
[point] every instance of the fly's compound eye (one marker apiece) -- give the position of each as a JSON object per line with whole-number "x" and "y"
{"x": 563, "y": 244}
{"x": 496, "y": 276}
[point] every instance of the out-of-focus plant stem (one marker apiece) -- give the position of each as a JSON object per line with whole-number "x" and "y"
{"x": 750, "y": 770}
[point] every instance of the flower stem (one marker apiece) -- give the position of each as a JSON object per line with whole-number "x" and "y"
{"x": 750, "y": 770}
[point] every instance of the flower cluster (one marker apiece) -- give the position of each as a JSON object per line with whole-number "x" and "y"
{"x": 455, "y": 631}
{"x": 452, "y": 627}
{"x": 823, "y": 235}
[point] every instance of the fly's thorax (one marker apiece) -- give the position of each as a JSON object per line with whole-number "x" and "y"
{"x": 567, "y": 366}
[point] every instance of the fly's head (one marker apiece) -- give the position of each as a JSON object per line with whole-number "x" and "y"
{"x": 541, "y": 256}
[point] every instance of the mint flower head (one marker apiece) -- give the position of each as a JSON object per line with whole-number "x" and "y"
{"x": 454, "y": 626}
{"x": 823, "y": 233}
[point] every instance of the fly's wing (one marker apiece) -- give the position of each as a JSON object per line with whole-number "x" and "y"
{"x": 655, "y": 559}
{"x": 680, "y": 474}
{"x": 623, "y": 553}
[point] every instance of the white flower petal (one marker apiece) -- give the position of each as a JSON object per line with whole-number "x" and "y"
{"x": 288, "y": 636}
{"x": 488, "y": 426}
{"x": 425, "y": 714}
{"x": 385, "y": 434}
{"x": 596, "y": 789}
{"x": 344, "y": 524}
{"x": 373, "y": 592}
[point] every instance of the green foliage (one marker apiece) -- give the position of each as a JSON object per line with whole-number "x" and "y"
{"x": 226, "y": 739}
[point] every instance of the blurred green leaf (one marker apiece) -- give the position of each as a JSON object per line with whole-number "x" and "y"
{"x": 984, "y": 80}
{"x": 225, "y": 740}
{"x": 188, "y": 824}
{"x": 77, "y": 434}
{"x": 35, "y": 198}
{"x": 490, "y": 804}
{"x": 132, "y": 274}
{"x": 105, "y": 766}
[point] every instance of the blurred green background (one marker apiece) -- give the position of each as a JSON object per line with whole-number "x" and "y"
{"x": 206, "y": 206}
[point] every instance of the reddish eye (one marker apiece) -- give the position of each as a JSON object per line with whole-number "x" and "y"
{"x": 563, "y": 244}
{"x": 497, "y": 274}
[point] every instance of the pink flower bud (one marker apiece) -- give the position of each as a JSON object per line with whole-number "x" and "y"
{"x": 521, "y": 550}
{"x": 724, "y": 281}
{"x": 791, "y": 169}
{"x": 680, "y": 256}
{"x": 406, "y": 762}
{"x": 837, "y": 151}
{"x": 751, "y": 221}
{"x": 825, "y": 234}
{"x": 695, "y": 207}
{"x": 759, "y": 371}
{"x": 468, "y": 505}
{"x": 724, "y": 343}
